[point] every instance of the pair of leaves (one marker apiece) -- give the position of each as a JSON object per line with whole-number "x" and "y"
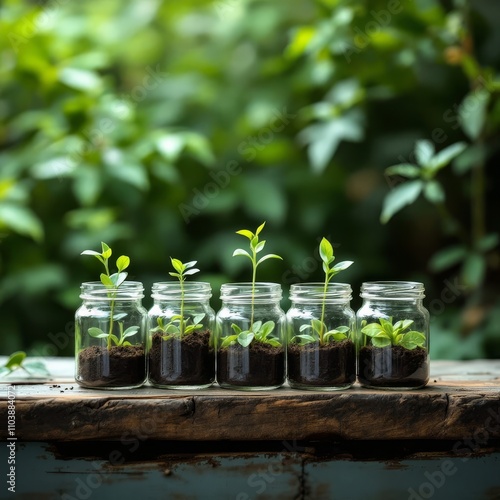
{"x": 17, "y": 361}
{"x": 118, "y": 341}
{"x": 258, "y": 331}
{"x": 256, "y": 247}
{"x": 428, "y": 165}
{"x": 317, "y": 328}
{"x": 183, "y": 270}
{"x": 384, "y": 334}
{"x": 110, "y": 280}
{"x": 327, "y": 256}
{"x": 178, "y": 326}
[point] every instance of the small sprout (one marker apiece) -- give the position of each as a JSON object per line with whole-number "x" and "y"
{"x": 113, "y": 282}
{"x": 18, "y": 361}
{"x": 318, "y": 329}
{"x": 178, "y": 325}
{"x": 257, "y": 331}
{"x": 385, "y": 334}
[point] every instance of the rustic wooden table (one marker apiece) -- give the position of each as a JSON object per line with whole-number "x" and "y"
{"x": 441, "y": 442}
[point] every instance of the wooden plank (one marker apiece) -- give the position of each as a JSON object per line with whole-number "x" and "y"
{"x": 461, "y": 400}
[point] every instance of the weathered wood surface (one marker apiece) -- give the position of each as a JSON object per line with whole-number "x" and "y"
{"x": 462, "y": 401}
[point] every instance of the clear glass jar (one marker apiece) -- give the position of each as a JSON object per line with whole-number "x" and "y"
{"x": 321, "y": 350}
{"x": 251, "y": 337}
{"x": 110, "y": 326}
{"x": 393, "y": 335}
{"x": 181, "y": 353}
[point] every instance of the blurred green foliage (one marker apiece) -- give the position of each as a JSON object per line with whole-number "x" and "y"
{"x": 163, "y": 127}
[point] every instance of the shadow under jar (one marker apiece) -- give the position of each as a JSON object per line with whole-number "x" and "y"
{"x": 110, "y": 340}
{"x": 251, "y": 340}
{"x": 321, "y": 352}
{"x": 181, "y": 336}
{"x": 393, "y": 335}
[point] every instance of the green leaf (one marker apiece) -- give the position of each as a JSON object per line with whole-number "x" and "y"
{"x": 91, "y": 252}
{"x": 177, "y": 265}
{"x": 326, "y": 251}
{"x": 260, "y": 246}
{"x": 304, "y": 339}
{"x": 245, "y": 338}
{"x": 130, "y": 331}
{"x": 487, "y": 243}
{"x": 341, "y": 266}
{"x": 240, "y": 251}
{"x": 448, "y": 257}
{"x": 106, "y": 250}
{"x": 387, "y": 326}
{"x": 36, "y": 369}
{"x": 403, "y": 324}
{"x": 190, "y": 264}
{"x": 256, "y": 326}
{"x": 434, "y": 192}
{"x": 172, "y": 329}
{"x": 444, "y": 157}
{"x": 198, "y": 318}
{"x": 21, "y": 220}
{"x": 268, "y": 256}
{"x": 305, "y": 327}
{"x": 373, "y": 329}
{"x": 227, "y": 341}
{"x": 412, "y": 339}
{"x": 342, "y": 329}
{"x": 97, "y": 333}
{"x": 266, "y": 329}
{"x": 380, "y": 341}
{"x": 273, "y": 342}
{"x": 118, "y": 278}
{"x": 80, "y": 79}
{"x": 335, "y": 335}
{"x": 245, "y": 232}
{"x": 399, "y": 197}
{"x": 404, "y": 169}
{"x": 189, "y": 272}
{"x": 473, "y": 269}
{"x": 122, "y": 263}
{"x": 260, "y": 228}
{"x": 317, "y": 326}
{"x": 473, "y": 112}
{"x": 106, "y": 280}
{"x": 424, "y": 151}
{"x": 236, "y": 328}
{"x": 15, "y": 360}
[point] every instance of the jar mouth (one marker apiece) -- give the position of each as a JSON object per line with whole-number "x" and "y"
{"x": 193, "y": 290}
{"x": 128, "y": 290}
{"x": 335, "y": 292}
{"x": 242, "y": 292}
{"x": 392, "y": 290}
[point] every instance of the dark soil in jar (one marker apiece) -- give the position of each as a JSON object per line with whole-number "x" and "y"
{"x": 393, "y": 366}
{"x": 329, "y": 365}
{"x": 187, "y": 361}
{"x": 258, "y": 365}
{"x": 119, "y": 366}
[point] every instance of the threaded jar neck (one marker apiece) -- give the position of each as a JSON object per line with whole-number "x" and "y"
{"x": 242, "y": 293}
{"x": 95, "y": 290}
{"x": 192, "y": 290}
{"x": 392, "y": 290}
{"x": 336, "y": 293}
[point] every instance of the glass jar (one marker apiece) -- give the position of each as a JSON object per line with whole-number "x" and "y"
{"x": 393, "y": 335}
{"x": 251, "y": 340}
{"x": 110, "y": 326}
{"x": 321, "y": 350}
{"x": 181, "y": 336}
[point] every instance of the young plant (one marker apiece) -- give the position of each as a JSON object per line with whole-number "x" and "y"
{"x": 17, "y": 361}
{"x": 113, "y": 282}
{"x": 256, "y": 331}
{"x": 385, "y": 334}
{"x": 178, "y": 325}
{"x": 318, "y": 329}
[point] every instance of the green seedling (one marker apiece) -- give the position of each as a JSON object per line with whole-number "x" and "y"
{"x": 385, "y": 334}
{"x": 112, "y": 282}
{"x": 256, "y": 331}
{"x": 17, "y": 361}
{"x": 179, "y": 325}
{"x": 318, "y": 331}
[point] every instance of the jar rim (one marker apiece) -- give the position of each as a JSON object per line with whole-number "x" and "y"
{"x": 314, "y": 292}
{"x": 171, "y": 290}
{"x": 392, "y": 290}
{"x": 242, "y": 291}
{"x": 128, "y": 290}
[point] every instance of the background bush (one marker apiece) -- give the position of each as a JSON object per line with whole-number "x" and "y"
{"x": 163, "y": 127}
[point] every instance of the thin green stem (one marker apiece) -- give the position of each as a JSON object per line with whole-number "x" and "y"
{"x": 181, "y": 325}
{"x": 325, "y": 288}
{"x": 254, "y": 275}
{"x": 111, "y": 319}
